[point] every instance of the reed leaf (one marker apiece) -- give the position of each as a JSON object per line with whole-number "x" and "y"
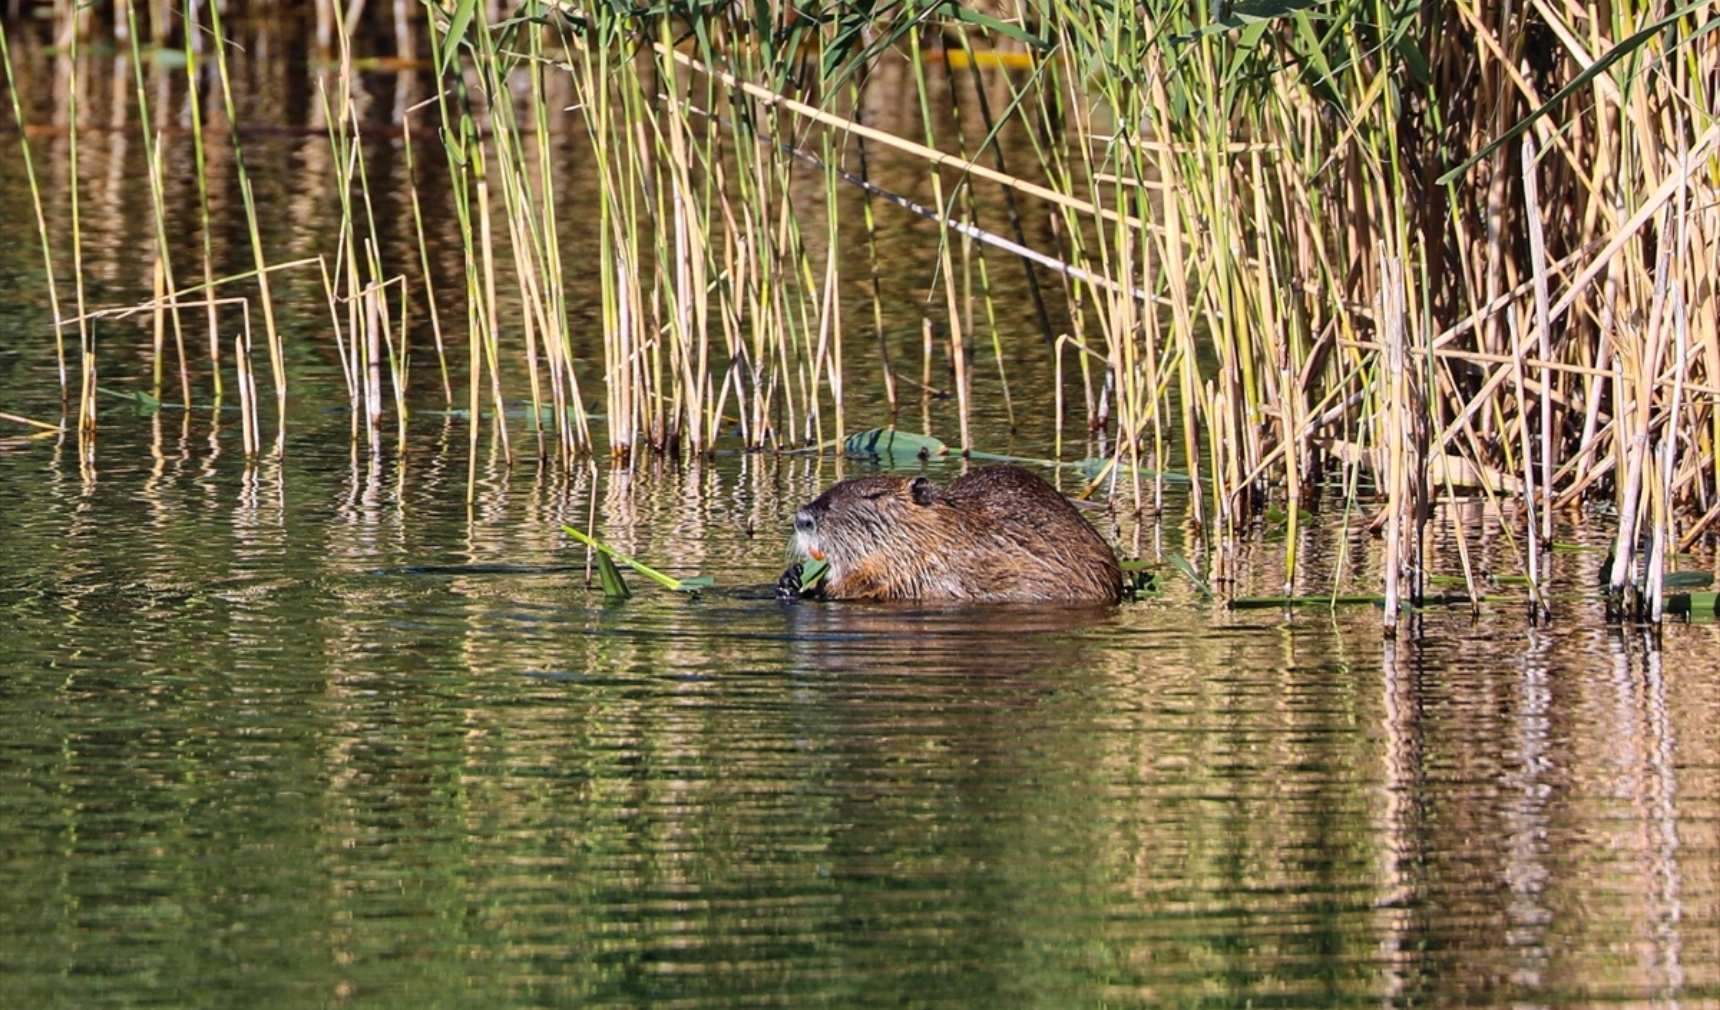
{"x": 691, "y": 584}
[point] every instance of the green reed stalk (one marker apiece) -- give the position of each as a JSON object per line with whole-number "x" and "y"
{"x": 427, "y": 274}
{"x": 869, "y": 219}
{"x": 523, "y": 224}
{"x": 271, "y": 334}
{"x": 200, "y": 159}
{"x": 971, "y": 212}
{"x": 42, "y": 233}
{"x": 682, "y": 262}
{"x": 86, "y": 333}
{"x": 380, "y": 343}
{"x": 464, "y": 152}
{"x": 361, "y": 361}
{"x": 154, "y": 157}
{"x": 831, "y": 306}
{"x": 956, "y": 331}
{"x": 571, "y": 419}
{"x": 489, "y": 342}
{"x": 533, "y": 237}
{"x": 591, "y": 84}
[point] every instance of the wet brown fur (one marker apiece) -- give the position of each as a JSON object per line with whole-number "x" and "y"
{"x": 994, "y": 535}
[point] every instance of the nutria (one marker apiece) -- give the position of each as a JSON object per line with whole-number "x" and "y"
{"x": 994, "y": 535}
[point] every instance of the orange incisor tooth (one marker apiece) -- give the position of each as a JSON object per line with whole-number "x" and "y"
{"x": 817, "y": 555}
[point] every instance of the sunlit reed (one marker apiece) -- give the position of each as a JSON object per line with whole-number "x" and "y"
{"x": 1277, "y": 274}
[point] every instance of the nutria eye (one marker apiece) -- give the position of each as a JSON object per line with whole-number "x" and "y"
{"x": 874, "y": 495}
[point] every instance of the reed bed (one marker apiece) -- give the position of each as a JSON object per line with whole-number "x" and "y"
{"x": 1414, "y": 254}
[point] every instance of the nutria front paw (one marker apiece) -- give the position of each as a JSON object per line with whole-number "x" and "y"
{"x": 788, "y": 587}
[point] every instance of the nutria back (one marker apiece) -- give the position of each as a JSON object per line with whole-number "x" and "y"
{"x": 995, "y": 535}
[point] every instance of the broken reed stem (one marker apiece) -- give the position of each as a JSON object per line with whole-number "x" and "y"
{"x": 1394, "y": 435}
{"x": 1541, "y": 537}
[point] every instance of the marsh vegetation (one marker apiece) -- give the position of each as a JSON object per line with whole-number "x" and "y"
{"x": 1403, "y": 258}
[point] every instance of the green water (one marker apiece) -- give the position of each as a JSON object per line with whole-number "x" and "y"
{"x": 307, "y": 734}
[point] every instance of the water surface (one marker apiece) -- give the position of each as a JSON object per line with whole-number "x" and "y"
{"x": 309, "y": 733}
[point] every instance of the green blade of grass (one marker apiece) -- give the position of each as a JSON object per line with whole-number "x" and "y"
{"x": 688, "y": 585}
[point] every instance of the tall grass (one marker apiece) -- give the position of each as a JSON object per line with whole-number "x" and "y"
{"x": 1409, "y": 253}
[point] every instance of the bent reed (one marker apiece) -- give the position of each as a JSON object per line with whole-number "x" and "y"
{"x": 1419, "y": 252}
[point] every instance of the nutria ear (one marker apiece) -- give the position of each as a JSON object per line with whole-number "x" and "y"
{"x": 921, "y": 490}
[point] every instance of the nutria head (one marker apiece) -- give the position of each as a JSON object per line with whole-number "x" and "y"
{"x": 864, "y": 523}
{"x": 995, "y": 534}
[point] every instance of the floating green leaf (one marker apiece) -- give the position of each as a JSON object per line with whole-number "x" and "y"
{"x": 893, "y": 445}
{"x": 1277, "y": 602}
{"x": 146, "y": 404}
{"x": 1686, "y": 580}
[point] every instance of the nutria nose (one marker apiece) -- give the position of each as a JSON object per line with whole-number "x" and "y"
{"x": 803, "y": 521}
